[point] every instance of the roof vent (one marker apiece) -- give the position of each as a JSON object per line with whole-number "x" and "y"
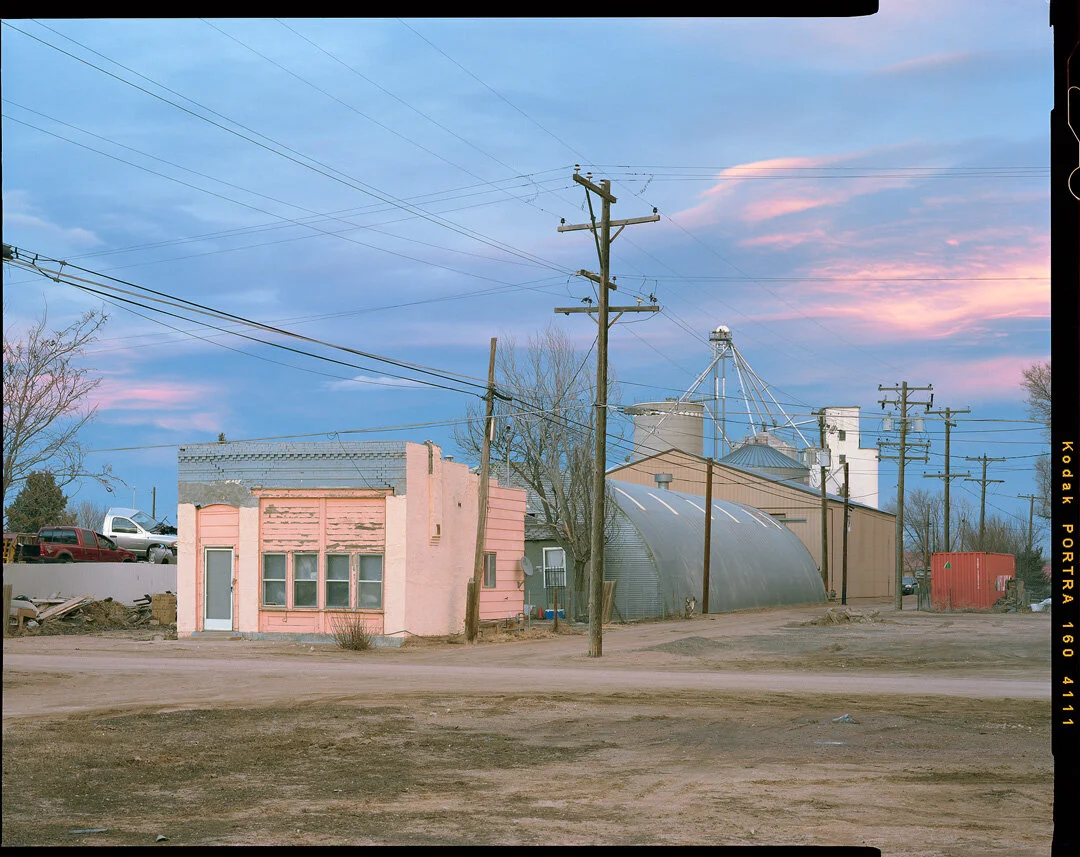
{"x": 662, "y": 479}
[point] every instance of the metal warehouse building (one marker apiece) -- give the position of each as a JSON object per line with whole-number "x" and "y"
{"x": 788, "y": 501}
{"x": 655, "y": 557}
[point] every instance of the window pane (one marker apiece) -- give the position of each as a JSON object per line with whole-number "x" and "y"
{"x": 306, "y": 566}
{"x": 274, "y": 566}
{"x": 337, "y": 593}
{"x": 274, "y": 579}
{"x": 337, "y": 567}
{"x": 369, "y": 595}
{"x": 489, "y": 570}
{"x": 274, "y": 592}
{"x": 305, "y": 593}
{"x": 371, "y": 567}
{"x": 337, "y": 580}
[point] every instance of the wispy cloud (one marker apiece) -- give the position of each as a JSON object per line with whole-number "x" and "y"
{"x": 24, "y": 225}
{"x": 362, "y": 383}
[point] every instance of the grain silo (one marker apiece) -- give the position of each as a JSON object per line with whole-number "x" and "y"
{"x": 670, "y": 424}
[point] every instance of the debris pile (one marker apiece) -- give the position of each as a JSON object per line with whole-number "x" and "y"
{"x": 61, "y": 615}
{"x": 844, "y": 616}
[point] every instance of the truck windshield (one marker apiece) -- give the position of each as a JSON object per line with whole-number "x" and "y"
{"x": 145, "y": 521}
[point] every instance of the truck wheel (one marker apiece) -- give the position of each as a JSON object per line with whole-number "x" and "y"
{"x": 158, "y": 554}
{"x": 65, "y": 557}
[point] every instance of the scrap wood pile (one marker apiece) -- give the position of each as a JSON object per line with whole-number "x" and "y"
{"x": 84, "y": 613}
{"x": 844, "y": 616}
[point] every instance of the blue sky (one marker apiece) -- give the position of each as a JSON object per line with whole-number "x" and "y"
{"x": 863, "y": 201}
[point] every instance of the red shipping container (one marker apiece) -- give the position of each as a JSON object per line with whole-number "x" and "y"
{"x": 969, "y": 580}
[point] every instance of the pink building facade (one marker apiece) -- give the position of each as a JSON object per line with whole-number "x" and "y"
{"x": 284, "y": 540}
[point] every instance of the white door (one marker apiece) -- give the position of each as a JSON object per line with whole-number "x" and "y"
{"x": 218, "y": 589}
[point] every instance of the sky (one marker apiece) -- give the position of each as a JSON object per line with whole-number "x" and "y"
{"x": 862, "y": 201}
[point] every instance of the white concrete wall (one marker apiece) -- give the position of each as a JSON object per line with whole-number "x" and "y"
{"x": 121, "y": 581}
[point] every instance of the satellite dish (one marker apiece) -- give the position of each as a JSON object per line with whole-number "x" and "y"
{"x": 527, "y": 566}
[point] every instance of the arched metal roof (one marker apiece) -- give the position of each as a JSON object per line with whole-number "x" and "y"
{"x": 657, "y": 550}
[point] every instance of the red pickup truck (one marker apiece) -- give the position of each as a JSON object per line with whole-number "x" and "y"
{"x": 74, "y": 544}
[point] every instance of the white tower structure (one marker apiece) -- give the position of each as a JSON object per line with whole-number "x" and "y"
{"x": 842, "y": 438}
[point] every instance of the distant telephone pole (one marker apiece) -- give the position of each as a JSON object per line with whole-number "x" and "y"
{"x": 602, "y": 235}
{"x": 947, "y": 476}
{"x": 902, "y": 457}
{"x": 822, "y": 452}
{"x": 982, "y": 502}
{"x": 1031, "y": 498}
{"x": 847, "y": 512}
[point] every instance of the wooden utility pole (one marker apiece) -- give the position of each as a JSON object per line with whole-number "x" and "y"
{"x": 947, "y": 476}
{"x": 1031, "y": 517}
{"x": 824, "y": 502}
{"x": 707, "y": 559}
{"x": 847, "y": 507}
{"x": 982, "y": 501}
{"x": 603, "y": 281}
{"x": 472, "y": 611}
{"x": 902, "y": 459}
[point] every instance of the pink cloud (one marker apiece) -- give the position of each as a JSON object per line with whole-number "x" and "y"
{"x": 992, "y": 377}
{"x": 761, "y": 200}
{"x": 120, "y": 395}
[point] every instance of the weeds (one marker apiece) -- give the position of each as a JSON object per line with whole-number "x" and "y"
{"x": 350, "y": 631}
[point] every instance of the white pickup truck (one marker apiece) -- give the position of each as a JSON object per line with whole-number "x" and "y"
{"x": 142, "y": 535}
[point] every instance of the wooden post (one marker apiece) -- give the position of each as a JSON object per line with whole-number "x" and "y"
{"x": 843, "y": 573}
{"x": 824, "y": 506}
{"x": 7, "y": 609}
{"x": 706, "y": 560}
{"x": 472, "y": 609}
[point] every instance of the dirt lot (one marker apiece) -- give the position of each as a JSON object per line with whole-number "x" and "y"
{"x": 919, "y": 734}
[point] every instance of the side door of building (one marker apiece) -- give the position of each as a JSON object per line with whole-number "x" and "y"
{"x": 217, "y": 589}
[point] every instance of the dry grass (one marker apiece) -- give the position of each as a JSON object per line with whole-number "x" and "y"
{"x": 350, "y": 632}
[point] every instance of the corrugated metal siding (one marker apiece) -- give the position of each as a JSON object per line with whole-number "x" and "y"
{"x": 973, "y": 580}
{"x": 629, "y": 562}
{"x": 871, "y": 541}
{"x": 754, "y": 561}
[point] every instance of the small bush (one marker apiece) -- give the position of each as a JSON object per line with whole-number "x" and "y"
{"x": 350, "y": 631}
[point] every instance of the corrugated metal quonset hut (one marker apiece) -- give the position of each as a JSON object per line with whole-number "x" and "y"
{"x": 656, "y": 556}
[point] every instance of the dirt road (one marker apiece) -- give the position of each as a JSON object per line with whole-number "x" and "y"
{"x": 920, "y": 734}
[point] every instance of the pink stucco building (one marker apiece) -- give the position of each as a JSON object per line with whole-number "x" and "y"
{"x": 276, "y": 539}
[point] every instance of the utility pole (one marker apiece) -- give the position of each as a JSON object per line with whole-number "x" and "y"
{"x": 947, "y": 476}
{"x": 707, "y": 560}
{"x": 1031, "y": 498}
{"x": 902, "y": 459}
{"x": 153, "y": 502}
{"x": 982, "y": 502}
{"x": 603, "y": 249}
{"x": 847, "y": 507}
{"x": 472, "y": 611}
{"x": 824, "y": 501}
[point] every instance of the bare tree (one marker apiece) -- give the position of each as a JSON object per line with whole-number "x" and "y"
{"x": 45, "y": 401}
{"x": 88, "y": 514}
{"x": 1036, "y": 385}
{"x": 547, "y": 435}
